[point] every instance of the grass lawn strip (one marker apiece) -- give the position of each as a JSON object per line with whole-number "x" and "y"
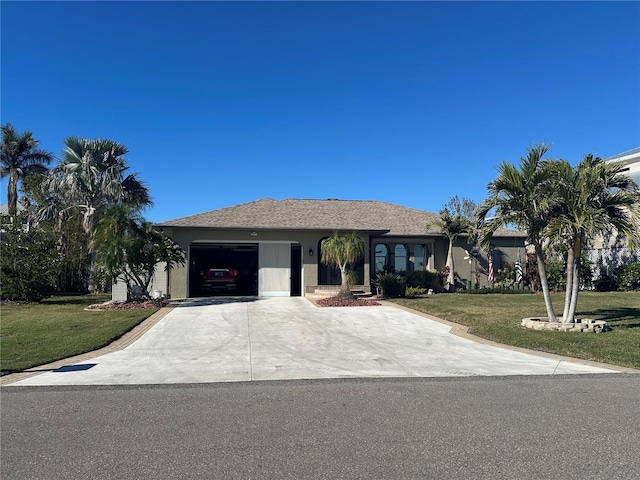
{"x": 58, "y": 328}
{"x": 497, "y": 318}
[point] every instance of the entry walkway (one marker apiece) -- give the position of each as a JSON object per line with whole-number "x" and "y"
{"x": 244, "y": 339}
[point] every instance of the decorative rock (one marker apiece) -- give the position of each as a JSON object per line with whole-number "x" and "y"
{"x": 580, "y": 325}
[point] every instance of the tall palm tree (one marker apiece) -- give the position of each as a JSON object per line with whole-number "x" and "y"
{"x": 456, "y": 219}
{"x": 597, "y": 198}
{"x": 342, "y": 250}
{"x": 20, "y": 156}
{"x": 522, "y": 197}
{"x": 90, "y": 177}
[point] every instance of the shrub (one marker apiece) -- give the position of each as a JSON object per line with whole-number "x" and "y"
{"x": 425, "y": 279}
{"x": 391, "y": 284}
{"x": 29, "y": 264}
{"x": 413, "y": 292}
{"x": 629, "y": 277}
{"x": 556, "y": 275}
{"x": 502, "y": 290}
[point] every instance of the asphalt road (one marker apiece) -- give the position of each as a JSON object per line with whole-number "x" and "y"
{"x": 534, "y": 427}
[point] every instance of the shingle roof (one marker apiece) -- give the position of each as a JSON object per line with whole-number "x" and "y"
{"x": 307, "y": 214}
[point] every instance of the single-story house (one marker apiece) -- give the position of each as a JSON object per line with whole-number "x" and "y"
{"x": 273, "y": 247}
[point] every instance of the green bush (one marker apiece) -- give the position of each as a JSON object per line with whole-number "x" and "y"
{"x": 504, "y": 290}
{"x": 413, "y": 292}
{"x": 29, "y": 264}
{"x": 629, "y": 277}
{"x": 391, "y": 284}
{"x": 425, "y": 279}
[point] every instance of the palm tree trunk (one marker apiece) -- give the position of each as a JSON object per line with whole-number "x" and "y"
{"x": 544, "y": 283}
{"x": 88, "y": 225}
{"x": 576, "y": 284}
{"x": 12, "y": 195}
{"x": 570, "y": 279}
{"x": 345, "y": 291}
{"x": 451, "y": 280}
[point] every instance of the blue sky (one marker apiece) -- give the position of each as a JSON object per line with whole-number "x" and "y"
{"x": 411, "y": 103}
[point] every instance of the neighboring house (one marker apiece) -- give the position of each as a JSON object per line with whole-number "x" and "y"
{"x": 272, "y": 248}
{"x": 607, "y": 254}
{"x": 630, "y": 159}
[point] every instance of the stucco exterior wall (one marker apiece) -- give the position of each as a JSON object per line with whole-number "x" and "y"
{"x": 505, "y": 250}
{"x": 176, "y": 284}
{"x": 158, "y": 284}
{"x": 178, "y": 279}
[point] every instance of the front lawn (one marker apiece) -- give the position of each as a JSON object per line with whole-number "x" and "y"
{"x": 497, "y": 317}
{"x": 59, "y": 327}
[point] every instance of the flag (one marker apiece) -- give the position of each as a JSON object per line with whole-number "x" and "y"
{"x": 490, "y": 268}
{"x": 518, "y": 268}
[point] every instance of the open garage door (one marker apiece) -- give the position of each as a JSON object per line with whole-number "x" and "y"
{"x": 223, "y": 269}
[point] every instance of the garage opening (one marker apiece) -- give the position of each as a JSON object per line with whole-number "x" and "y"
{"x": 223, "y": 269}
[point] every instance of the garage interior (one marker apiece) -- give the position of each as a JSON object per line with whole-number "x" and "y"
{"x": 232, "y": 269}
{"x": 241, "y": 259}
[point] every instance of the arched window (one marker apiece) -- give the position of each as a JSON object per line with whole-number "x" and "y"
{"x": 382, "y": 253}
{"x": 419, "y": 259}
{"x": 330, "y": 274}
{"x": 400, "y": 258}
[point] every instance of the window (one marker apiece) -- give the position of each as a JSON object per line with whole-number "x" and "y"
{"x": 419, "y": 260}
{"x": 381, "y": 253}
{"x": 400, "y": 257}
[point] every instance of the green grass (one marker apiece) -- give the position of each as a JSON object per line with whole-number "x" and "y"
{"x": 59, "y": 327}
{"x": 497, "y": 317}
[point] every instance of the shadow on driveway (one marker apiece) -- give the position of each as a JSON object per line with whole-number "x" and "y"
{"x": 201, "y": 302}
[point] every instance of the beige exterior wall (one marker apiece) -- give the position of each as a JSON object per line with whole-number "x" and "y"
{"x": 178, "y": 279}
{"x": 175, "y": 285}
{"x": 158, "y": 284}
{"x": 505, "y": 250}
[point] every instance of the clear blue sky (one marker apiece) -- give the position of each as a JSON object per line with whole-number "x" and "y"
{"x": 221, "y": 103}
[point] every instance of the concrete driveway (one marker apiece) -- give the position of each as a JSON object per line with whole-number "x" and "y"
{"x": 244, "y": 339}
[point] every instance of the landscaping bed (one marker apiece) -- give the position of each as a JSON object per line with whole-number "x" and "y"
{"x": 131, "y": 305}
{"x": 336, "y": 302}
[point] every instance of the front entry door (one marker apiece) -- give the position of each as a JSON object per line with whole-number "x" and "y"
{"x": 296, "y": 270}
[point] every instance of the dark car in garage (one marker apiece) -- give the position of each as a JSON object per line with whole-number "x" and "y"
{"x": 220, "y": 279}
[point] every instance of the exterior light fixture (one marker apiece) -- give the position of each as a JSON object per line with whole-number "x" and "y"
{"x": 311, "y": 252}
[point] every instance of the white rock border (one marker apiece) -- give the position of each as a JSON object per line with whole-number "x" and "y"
{"x": 580, "y": 325}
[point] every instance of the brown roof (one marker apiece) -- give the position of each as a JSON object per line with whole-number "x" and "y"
{"x": 305, "y": 214}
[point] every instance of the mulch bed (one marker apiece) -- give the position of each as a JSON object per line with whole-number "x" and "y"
{"x": 335, "y": 302}
{"x": 133, "y": 305}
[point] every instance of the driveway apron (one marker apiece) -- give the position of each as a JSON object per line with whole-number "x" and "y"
{"x": 244, "y": 339}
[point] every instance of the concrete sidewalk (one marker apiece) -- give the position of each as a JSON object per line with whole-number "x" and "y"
{"x": 244, "y": 339}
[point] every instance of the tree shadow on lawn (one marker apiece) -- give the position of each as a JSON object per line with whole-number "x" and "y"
{"x": 621, "y": 317}
{"x": 69, "y": 301}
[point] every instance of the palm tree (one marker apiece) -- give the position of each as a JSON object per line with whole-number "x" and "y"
{"x": 129, "y": 248}
{"x": 90, "y": 177}
{"x": 521, "y": 197}
{"x": 596, "y": 199}
{"x": 342, "y": 250}
{"x": 456, "y": 219}
{"x": 20, "y": 156}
